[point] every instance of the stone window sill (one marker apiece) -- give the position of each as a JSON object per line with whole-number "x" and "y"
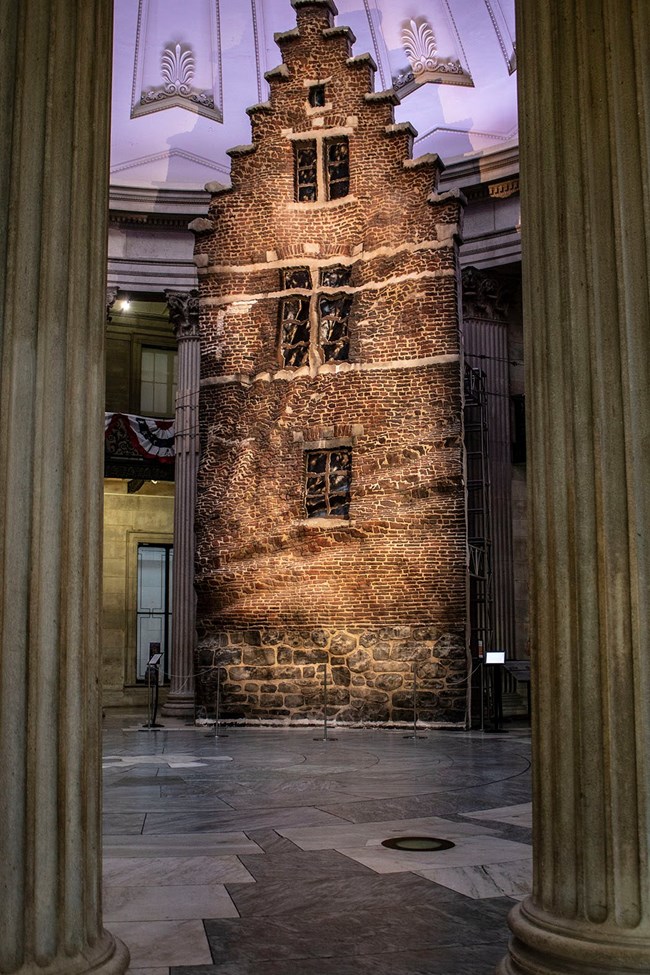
{"x": 327, "y": 522}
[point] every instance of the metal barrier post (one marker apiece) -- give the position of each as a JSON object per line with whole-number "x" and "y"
{"x": 415, "y": 735}
{"x": 325, "y": 736}
{"x": 217, "y": 733}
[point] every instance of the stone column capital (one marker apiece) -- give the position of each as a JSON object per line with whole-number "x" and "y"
{"x": 485, "y": 296}
{"x": 183, "y": 309}
{"x": 111, "y": 295}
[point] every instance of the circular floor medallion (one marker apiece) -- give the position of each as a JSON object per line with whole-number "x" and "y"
{"x": 417, "y": 844}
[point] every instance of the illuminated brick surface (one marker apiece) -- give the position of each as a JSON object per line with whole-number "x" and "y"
{"x": 280, "y": 593}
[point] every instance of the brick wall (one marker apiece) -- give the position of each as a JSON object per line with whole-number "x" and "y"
{"x": 280, "y": 594}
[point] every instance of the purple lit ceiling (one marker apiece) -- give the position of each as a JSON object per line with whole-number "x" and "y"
{"x": 185, "y": 72}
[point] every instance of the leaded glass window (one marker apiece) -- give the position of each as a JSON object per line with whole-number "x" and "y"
{"x": 294, "y": 325}
{"x": 338, "y": 168}
{"x": 306, "y": 172}
{"x": 327, "y": 483}
{"x": 328, "y": 314}
{"x": 334, "y": 277}
{"x": 333, "y": 315}
{"x": 317, "y": 96}
{"x": 296, "y": 277}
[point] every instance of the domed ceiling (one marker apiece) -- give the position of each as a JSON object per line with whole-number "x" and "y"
{"x": 185, "y": 72}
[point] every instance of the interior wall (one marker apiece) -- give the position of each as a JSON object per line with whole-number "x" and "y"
{"x": 129, "y": 519}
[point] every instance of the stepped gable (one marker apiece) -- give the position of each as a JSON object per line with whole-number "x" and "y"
{"x": 331, "y": 513}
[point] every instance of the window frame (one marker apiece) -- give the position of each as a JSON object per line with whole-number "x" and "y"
{"x": 171, "y": 351}
{"x": 328, "y": 165}
{"x": 327, "y": 452}
{"x": 322, "y": 168}
{"x": 312, "y": 299}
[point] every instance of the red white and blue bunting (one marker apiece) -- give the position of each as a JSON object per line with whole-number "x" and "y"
{"x": 148, "y": 437}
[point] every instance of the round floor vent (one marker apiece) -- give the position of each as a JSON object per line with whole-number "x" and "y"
{"x": 417, "y": 844}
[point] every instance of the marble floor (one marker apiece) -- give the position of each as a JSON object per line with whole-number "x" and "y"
{"x": 261, "y": 853}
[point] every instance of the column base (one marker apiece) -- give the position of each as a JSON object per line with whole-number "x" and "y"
{"x": 109, "y": 956}
{"x": 178, "y": 706}
{"x": 546, "y": 945}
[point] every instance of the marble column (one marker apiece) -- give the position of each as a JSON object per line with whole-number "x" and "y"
{"x": 184, "y": 315}
{"x": 55, "y": 60}
{"x": 585, "y": 154}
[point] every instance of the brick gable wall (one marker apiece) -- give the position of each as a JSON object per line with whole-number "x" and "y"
{"x": 279, "y": 594}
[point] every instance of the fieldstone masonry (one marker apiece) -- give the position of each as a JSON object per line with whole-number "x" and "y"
{"x": 331, "y": 507}
{"x": 277, "y": 674}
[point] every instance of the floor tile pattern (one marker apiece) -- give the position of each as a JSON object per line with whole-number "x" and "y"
{"x": 260, "y": 853}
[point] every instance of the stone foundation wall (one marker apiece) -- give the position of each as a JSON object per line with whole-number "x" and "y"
{"x": 276, "y": 675}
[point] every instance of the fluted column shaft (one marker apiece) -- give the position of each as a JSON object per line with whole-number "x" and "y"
{"x": 184, "y": 314}
{"x": 585, "y": 126}
{"x": 55, "y": 89}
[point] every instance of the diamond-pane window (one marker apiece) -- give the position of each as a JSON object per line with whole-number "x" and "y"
{"x": 327, "y": 483}
{"x": 338, "y": 168}
{"x": 294, "y": 324}
{"x": 306, "y": 172}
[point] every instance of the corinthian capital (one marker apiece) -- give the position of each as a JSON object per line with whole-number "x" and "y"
{"x": 485, "y": 296}
{"x": 183, "y": 309}
{"x": 111, "y": 295}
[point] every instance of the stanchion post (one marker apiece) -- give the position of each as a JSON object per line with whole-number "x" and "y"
{"x": 217, "y": 707}
{"x": 325, "y": 734}
{"x": 151, "y": 673}
{"x": 149, "y": 702}
{"x": 415, "y": 698}
{"x": 415, "y": 735}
